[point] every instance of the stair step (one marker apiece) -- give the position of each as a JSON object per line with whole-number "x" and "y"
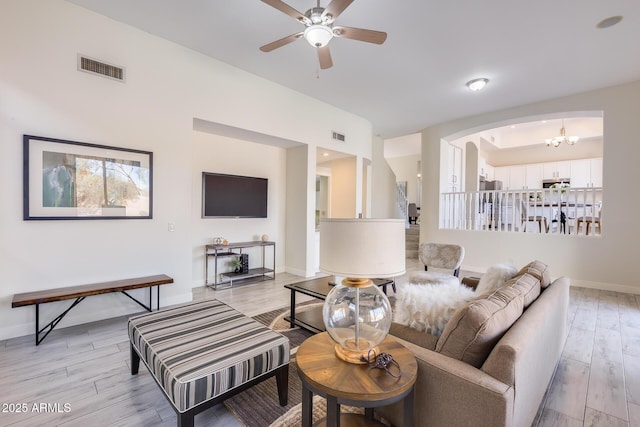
{"x": 412, "y": 254}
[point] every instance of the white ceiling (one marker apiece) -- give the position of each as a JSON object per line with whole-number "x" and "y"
{"x": 536, "y": 132}
{"x": 530, "y": 51}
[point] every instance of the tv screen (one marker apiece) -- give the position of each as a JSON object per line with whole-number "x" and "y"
{"x": 233, "y": 196}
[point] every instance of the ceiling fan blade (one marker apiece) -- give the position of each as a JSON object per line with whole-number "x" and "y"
{"x": 369, "y": 36}
{"x": 279, "y": 43}
{"x": 336, "y": 7}
{"x": 324, "y": 55}
{"x": 285, "y": 8}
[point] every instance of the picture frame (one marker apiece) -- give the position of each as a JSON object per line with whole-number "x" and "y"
{"x": 65, "y": 180}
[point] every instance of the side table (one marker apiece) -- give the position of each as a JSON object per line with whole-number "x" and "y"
{"x": 343, "y": 383}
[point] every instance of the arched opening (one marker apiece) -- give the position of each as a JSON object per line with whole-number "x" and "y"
{"x": 526, "y": 176}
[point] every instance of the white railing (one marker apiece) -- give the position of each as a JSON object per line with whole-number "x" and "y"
{"x": 549, "y": 210}
{"x": 402, "y": 204}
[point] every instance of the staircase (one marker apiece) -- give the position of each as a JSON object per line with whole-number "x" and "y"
{"x": 412, "y": 240}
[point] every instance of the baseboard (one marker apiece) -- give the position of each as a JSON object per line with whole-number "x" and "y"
{"x": 81, "y": 316}
{"x": 299, "y": 272}
{"x": 603, "y": 286}
{"x": 625, "y": 289}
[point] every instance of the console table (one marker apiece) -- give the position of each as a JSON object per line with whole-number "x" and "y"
{"x": 225, "y": 280}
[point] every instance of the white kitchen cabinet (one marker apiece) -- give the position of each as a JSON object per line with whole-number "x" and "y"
{"x": 490, "y": 172}
{"x": 517, "y": 177}
{"x": 555, "y": 170}
{"x": 485, "y": 169}
{"x": 586, "y": 173}
{"x": 512, "y": 177}
{"x": 454, "y": 168}
{"x": 596, "y": 172}
{"x": 534, "y": 174}
{"x": 482, "y": 167}
{"x": 501, "y": 173}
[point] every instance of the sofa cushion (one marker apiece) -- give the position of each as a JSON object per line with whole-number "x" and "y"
{"x": 474, "y": 329}
{"x": 428, "y": 307}
{"x": 539, "y": 270}
{"x": 527, "y": 285}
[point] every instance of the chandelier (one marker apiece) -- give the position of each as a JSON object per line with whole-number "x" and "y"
{"x": 557, "y": 140}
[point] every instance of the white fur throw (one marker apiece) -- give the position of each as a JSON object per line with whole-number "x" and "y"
{"x": 495, "y": 277}
{"x": 428, "y": 307}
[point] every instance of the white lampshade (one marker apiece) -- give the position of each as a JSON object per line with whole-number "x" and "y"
{"x": 356, "y": 313}
{"x": 362, "y": 248}
{"x": 318, "y": 35}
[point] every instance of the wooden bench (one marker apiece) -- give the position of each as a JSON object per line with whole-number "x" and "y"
{"x": 81, "y": 292}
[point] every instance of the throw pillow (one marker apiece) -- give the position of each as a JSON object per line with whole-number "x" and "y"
{"x": 495, "y": 277}
{"x": 428, "y": 307}
{"x": 539, "y": 270}
{"x": 527, "y": 285}
{"x": 475, "y": 329}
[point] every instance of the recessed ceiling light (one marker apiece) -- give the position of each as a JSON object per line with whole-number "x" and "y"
{"x": 477, "y": 84}
{"x": 609, "y": 22}
{"x": 325, "y": 154}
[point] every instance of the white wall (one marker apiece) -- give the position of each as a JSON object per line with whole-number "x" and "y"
{"x": 584, "y": 149}
{"x": 406, "y": 169}
{"x": 167, "y": 86}
{"x": 214, "y": 153}
{"x": 604, "y": 262}
{"x": 298, "y": 238}
{"x": 383, "y": 185}
{"x": 343, "y": 188}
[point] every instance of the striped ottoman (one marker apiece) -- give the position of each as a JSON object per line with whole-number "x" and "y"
{"x": 204, "y": 352}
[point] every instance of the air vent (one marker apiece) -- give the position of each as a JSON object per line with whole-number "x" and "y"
{"x": 338, "y": 136}
{"x": 103, "y": 69}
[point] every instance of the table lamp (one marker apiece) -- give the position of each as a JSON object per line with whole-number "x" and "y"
{"x": 356, "y": 313}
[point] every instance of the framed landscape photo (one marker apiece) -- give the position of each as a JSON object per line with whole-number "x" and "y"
{"x": 77, "y": 180}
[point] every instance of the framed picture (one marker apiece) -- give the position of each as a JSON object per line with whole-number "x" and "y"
{"x": 76, "y": 180}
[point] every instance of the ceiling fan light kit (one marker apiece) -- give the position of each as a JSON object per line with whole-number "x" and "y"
{"x": 320, "y": 30}
{"x": 318, "y": 35}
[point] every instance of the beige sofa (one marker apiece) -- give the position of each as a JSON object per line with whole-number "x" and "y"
{"x": 475, "y": 373}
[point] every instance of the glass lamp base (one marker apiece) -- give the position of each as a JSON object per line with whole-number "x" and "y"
{"x": 353, "y": 356}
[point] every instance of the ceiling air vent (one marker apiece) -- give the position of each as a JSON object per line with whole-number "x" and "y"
{"x": 103, "y": 69}
{"x": 337, "y": 136}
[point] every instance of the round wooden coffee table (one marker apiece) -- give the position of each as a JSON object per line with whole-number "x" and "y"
{"x": 343, "y": 383}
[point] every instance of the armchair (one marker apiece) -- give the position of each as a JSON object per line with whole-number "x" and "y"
{"x": 438, "y": 255}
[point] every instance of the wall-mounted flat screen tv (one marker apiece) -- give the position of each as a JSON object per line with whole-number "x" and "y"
{"x": 233, "y": 196}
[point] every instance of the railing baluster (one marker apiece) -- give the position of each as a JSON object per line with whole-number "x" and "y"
{"x": 509, "y": 210}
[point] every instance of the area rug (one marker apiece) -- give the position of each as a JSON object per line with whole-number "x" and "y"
{"x": 258, "y": 406}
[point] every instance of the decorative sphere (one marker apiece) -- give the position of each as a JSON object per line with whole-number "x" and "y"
{"x": 265, "y": 238}
{"x": 340, "y": 313}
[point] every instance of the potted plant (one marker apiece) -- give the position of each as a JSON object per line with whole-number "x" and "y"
{"x": 236, "y": 264}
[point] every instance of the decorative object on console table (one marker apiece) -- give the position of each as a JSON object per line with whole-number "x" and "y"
{"x": 244, "y": 261}
{"x": 236, "y": 264}
{"x": 235, "y": 250}
{"x": 356, "y": 313}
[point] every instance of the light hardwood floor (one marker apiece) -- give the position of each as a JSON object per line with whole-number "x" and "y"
{"x": 597, "y": 382}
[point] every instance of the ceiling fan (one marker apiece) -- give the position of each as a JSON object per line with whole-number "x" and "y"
{"x": 319, "y": 28}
